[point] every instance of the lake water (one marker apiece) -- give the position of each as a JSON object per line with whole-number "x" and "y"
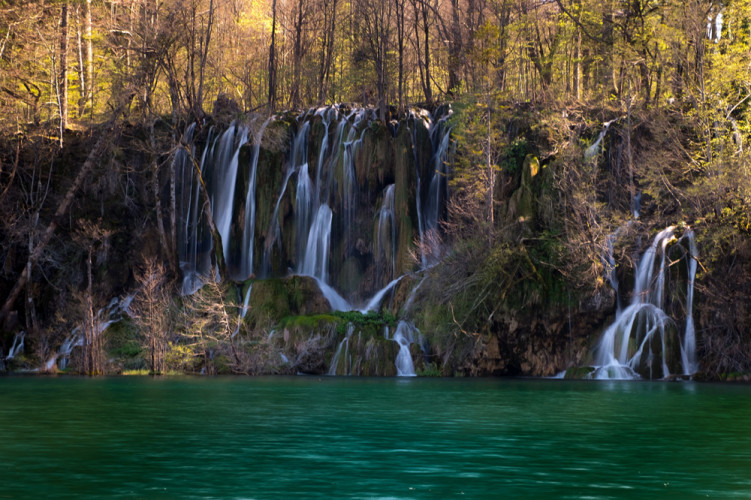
{"x": 310, "y": 437}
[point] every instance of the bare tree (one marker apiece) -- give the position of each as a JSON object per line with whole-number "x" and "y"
{"x": 91, "y": 236}
{"x": 150, "y": 310}
{"x": 375, "y": 21}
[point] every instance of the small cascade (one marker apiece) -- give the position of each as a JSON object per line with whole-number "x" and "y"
{"x": 275, "y": 230}
{"x": 315, "y": 259}
{"x": 594, "y": 149}
{"x": 643, "y": 340}
{"x": 246, "y": 264}
{"x": 385, "y": 238}
{"x": 375, "y": 302}
{"x": 191, "y": 240}
{"x": 104, "y": 318}
{"x": 413, "y": 294}
{"x": 243, "y": 311}
{"x": 404, "y": 335}
{"x": 60, "y": 358}
{"x": 690, "y": 365}
{"x": 342, "y": 356}
{"x": 303, "y": 208}
{"x": 434, "y": 190}
{"x": 17, "y": 347}
{"x": 325, "y": 114}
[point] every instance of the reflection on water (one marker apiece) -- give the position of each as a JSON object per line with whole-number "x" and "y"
{"x": 372, "y": 438}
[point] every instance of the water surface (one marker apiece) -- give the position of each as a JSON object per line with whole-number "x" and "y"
{"x": 372, "y": 438}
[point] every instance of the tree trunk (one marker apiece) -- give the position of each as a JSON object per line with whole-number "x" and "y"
{"x": 426, "y": 31}
{"x": 455, "y": 49}
{"x": 297, "y": 57}
{"x": 400, "y": 29}
{"x": 205, "y": 42}
{"x": 577, "y": 64}
{"x": 90, "y": 329}
{"x": 89, "y": 56}
{"x": 82, "y": 79}
{"x": 63, "y": 79}
{"x": 272, "y": 60}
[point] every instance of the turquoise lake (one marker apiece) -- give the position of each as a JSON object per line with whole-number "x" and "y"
{"x": 310, "y": 437}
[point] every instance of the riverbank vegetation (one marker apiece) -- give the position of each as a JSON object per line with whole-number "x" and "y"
{"x": 573, "y": 121}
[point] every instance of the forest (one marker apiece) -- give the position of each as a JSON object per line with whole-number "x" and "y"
{"x": 576, "y": 130}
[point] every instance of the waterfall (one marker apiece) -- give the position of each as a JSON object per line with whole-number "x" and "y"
{"x": 343, "y": 348}
{"x": 592, "y": 150}
{"x": 434, "y": 191}
{"x": 275, "y": 231}
{"x": 299, "y": 207}
{"x": 385, "y": 238}
{"x": 349, "y": 191}
{"x": 226, "y": 180}
{"x": 404, "y": 335}
{"x": 315, "y": 259}
{"x": 194, "y": 259}
{"x": 303, "y": 209}
{"x": 246, "y": 265}
{"x": 688, "y": 351}
{"x": 75, "y": 339}
{"x": 243, "y": 311}
{"x": 373, "y": 303}
{"x": 641, "y": 342}
{"x": 103, "y": 319}
{"x": 17, "y": 347}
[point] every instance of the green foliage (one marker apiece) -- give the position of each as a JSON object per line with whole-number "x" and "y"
{"x": 369, "y": 320}
{"x": 183, "y": 357}
{"x": 429, "y": 370}
{"x": 123, "y": 340}
{"x": 513, "y": 155}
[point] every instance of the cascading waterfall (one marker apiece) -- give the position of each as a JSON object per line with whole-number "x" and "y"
{"x": 313, "y": 222}
{"x": 104, "y": 318}
{"x": 643, "y": 340}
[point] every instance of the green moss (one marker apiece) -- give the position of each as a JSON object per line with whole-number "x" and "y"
{"x": 307, "y": 322}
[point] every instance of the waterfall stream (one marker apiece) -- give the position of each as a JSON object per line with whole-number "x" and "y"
{"x": 643, "y": 341}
